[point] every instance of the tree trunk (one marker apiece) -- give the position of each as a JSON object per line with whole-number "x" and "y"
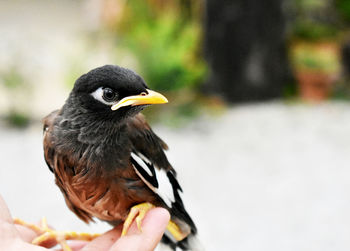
{"x": 245, "y": 49}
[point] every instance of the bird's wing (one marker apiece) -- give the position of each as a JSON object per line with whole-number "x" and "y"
{"x": 150, "y": 162}
{"x": 147, "y": 142}
{"x": 160, "y": 181}
{"x": 152, "y": 166}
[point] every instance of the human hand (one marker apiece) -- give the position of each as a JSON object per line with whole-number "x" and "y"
{"x": 153, "y": 227}
{"x": 16, "y": 237}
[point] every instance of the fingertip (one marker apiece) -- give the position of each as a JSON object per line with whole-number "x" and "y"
{"x": 153, "y": 227}
{"x": 161, "y": 213}
{"x": 4, "y": 211}
{"x": 26, "y": 233}
{"x": 156, "y": 221}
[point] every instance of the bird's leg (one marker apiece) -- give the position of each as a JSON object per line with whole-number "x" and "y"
{"x": 139, "y": 211}
{"x": 47, "y": 234}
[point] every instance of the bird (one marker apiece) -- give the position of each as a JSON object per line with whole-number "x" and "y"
{"x": 107, "y": 161}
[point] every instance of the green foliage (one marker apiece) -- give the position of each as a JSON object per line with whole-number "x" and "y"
{"x": 166, "y": 45}
{"x": 343, "y": 8}
{"x": 314, "y": 20}
{"x": 321, "y": 57}
{"x": 290, "y": 90}
{"x": 311, "y": 30}
{"x": 310, "y": 5}
{"x": 12, "y": 78}
{"x": 17, "y": 119}
{"x": 14, "y": 82}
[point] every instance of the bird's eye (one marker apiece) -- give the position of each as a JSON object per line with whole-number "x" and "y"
{"x": 109, "y": 95}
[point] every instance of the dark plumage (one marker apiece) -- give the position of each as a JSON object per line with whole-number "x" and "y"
{"x": 106, "y": 161}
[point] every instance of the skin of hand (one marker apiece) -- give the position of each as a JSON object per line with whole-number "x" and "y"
{"x": 15, "y": 237}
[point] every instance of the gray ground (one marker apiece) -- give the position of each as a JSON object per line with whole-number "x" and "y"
{"x": 260, "y": 177}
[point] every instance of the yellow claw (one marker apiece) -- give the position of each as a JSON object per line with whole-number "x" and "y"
{"x": 34, "y": 227}
{"x": 46, "y": 234}
{"x": 138, "y": 213}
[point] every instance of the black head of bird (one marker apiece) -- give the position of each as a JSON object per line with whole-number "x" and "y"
{"x": 111, "y": 93}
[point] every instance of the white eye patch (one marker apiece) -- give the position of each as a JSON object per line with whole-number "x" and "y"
{"x": 98, "y": 95}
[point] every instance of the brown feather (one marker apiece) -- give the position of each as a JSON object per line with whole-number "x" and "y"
{"x": 89, "y": 190}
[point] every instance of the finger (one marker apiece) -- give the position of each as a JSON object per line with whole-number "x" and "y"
{"x": 153, "y": 227}
{"x": 26, "y": 233}
{"x": 8, "y": 232}
{"x": 4, "y": 211}
{"x": 75, "y": 245}
{"x": 7, "y": 228}
{"x": 103, "y": 242}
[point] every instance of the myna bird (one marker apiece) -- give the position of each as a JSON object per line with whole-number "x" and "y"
{"x": 106, "y": 159}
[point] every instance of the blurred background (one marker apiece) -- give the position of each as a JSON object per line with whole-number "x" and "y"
{"x": 258, "y": 120}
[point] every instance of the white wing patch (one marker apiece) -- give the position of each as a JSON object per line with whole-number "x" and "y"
{"x": 144, "y": 163}
{"x": 165, "y": 190}
{"x": 156, "y": 179}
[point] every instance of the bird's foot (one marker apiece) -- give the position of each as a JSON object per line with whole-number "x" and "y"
{"x": 139, "y": 211}
{"x": 48, "y": 235}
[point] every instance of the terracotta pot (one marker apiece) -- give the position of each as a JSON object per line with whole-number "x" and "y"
{"x": 314, "y": 85}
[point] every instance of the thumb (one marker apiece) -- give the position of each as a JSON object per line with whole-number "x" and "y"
{"x": 5, "y": 215}
{"x": 7, "y": 228}
{"x": 153, "y": 227}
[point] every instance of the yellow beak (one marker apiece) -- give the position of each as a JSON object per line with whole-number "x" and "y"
{"x": 143, "y": 99}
